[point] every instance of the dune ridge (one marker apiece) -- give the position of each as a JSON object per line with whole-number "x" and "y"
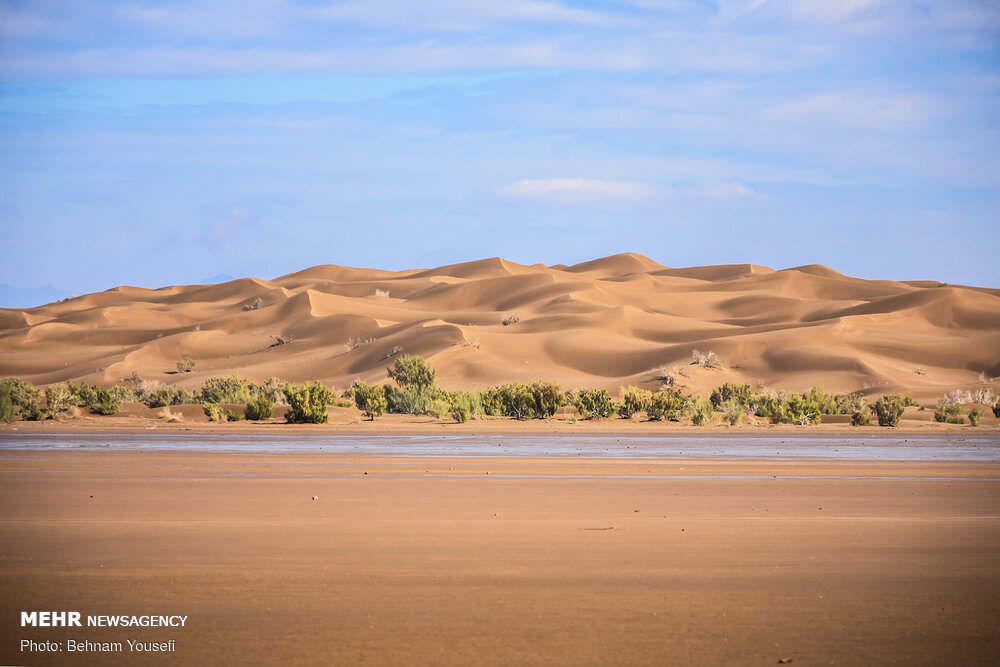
{"x": 608, "y": 322}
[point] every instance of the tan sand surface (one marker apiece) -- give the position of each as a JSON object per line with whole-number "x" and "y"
{"x": 432, "y": 561}
{"x": 609, "y": 322}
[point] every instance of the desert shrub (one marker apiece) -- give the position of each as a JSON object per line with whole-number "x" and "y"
{"x": 460, "y": 409}
{"x": 164, "y": 396}
{"x": 633, "y": 400}
{"x": 8, "y": 412}
{"x": 825, "y": 403}
{"x": 307, "y": 404}
{"x": 233, "y": 416}
{"x": 729, "y": 391}
{"x": 81, "y": 393}
{"x": 996, "y": 410}
{"x": 274, "y": 390}
{"x": 124, "y": 394}
{"x": 229, "y": 389}
{"x": 370, "y": 399}
{"x": 909, "y": 402}
{"x": 591, "y": 403}
{"x": 382, "y": 293}
{"x": 517, "y": 401}
{"x": 862, "y": 416}
{"x": 23, "y": 398}
{"x": 413, "y": 401}
{"x": 257, "y": 304}
{"x": 186, "y": 365}
{"x": 764, "y": 405}
{"x": 106, "y": 403}
{"x": 513, "y": 318}
{"x": 801, "y": 410}
{"x": 848, "y": 404}
{"x": 354, "y": 343}
{"x": 707, "y": 359}
{"x": 548, "y": 398}
{"x": 733, "y": 410}
{"x": 57, "y": 399}
{"x": 667, "y": 375}
{"x": 492, "y": 402}
{"x": 666, "y": 404}
{"x": 260, "y": 409}
{"x": 701, "y": 411}
{"x": 213, "y": 412}
{"x": 975, "y": 416}
{"x": 889, "y": 409}
{"x": 948, "y": 412}
{"x": 413, "y": 371}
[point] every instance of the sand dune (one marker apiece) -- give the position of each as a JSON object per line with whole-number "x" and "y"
{"x": 606, "y": 322}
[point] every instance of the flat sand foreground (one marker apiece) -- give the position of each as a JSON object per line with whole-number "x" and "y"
{"x": 542, "y": 560}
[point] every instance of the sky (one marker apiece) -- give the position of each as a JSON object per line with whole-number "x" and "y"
{"x": 157, "y": 143}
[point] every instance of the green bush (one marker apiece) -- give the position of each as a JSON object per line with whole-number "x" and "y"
{"x": 164, "y": 396}
{"x": 23, "y": 400}
{"x": 701, "y": 411}
{"x": 106, "y": 403}
{"x": 996, "y": 409}
{"x": 124, "y": 394}
{"x": 233, "y": 416}
{"x": 370, "y": 399}
{"x": 460, "y": 409}
{"x": 230, "y": 389}
{"x": 548, "y": 398}
{"x": 729, "y": 391}
{"x": 517, "y": 401}
{"x": 889, "y": 409}
{"x": 412, "y": 371}
{"x": 213, "y": 412}
{"x": 634, "y": 400}
{"x": 765, "y": 405}
{"x": 801, "y": 410}
{"x": 592, "y": 403}
{"x": 848, "y": 404}
{"x": 82, "y": 394}
{"x": 8, "y": 413}
{"x": 186, "y": 365}
{"x": 975, "y": 416}
{"x": 308, "y": 404}
{"x": 824, "y": 402}
{"x": 413, "y": 401}
{"x": 260, "y": 409}
{"x": 862, "y": 417}
{"x": 57, "y": 399}
{"x": 733, "y": 410}
{"x": 948, "y": 412}
{"x": 666, "y": 404}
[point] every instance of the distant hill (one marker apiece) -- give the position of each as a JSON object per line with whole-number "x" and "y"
{"x": 612, "y": 321}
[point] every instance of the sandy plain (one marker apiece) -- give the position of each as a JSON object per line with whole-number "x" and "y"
{"x": 431, "y": 560}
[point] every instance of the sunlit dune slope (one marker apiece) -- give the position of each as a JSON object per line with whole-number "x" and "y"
{"x": 608, "y": 322}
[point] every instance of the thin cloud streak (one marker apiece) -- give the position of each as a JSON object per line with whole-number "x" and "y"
{"x": 578, "y": 186}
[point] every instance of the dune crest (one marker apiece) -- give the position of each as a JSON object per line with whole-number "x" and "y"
{"x": 608, "y": 322}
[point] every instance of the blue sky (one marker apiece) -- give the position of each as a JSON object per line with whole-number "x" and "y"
{"x": 155, "y": 143}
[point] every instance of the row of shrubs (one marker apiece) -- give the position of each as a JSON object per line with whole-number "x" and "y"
{"x": 306, "y": 403}
{"x": 416, "y": 393}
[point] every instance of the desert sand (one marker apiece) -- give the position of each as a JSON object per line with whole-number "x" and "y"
{"x": 434, "y": 561}
{"x": 606, "y": 323}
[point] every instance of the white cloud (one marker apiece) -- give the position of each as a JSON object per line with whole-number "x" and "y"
{"x": 578, "y": 186}
{"x": 732, "y": 191}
